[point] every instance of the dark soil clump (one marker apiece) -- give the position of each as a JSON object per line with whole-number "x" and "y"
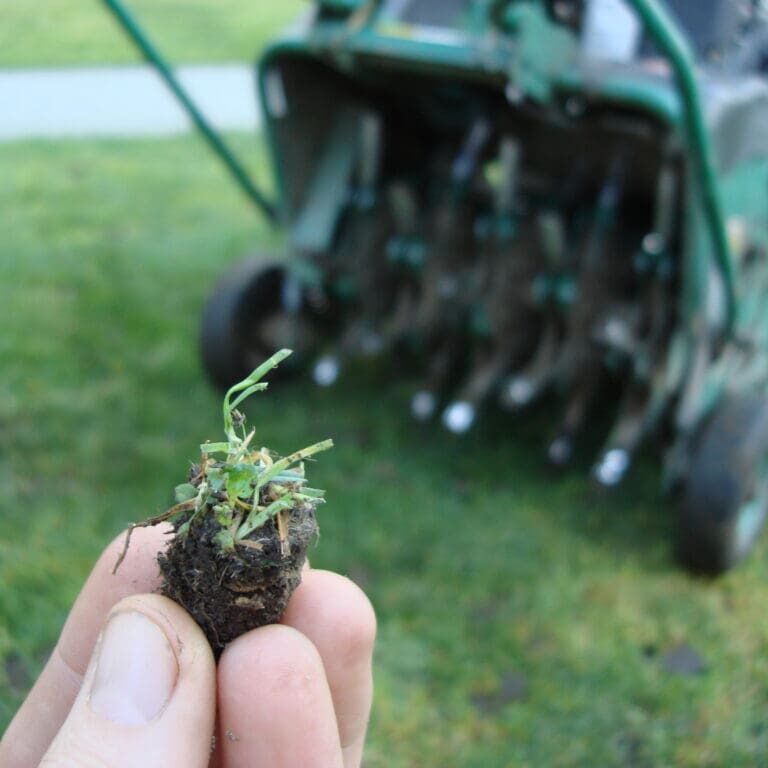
{"x": 230, "y": 593}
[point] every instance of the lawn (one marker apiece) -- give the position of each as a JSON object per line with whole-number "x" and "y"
{"x": 81, "y": 32}
{"x": 523, "y": 621}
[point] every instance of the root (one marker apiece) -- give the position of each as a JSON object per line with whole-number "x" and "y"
{"x": 148, "y": 523}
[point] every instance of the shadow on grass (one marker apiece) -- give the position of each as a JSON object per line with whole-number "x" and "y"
{"x": 633, "y": 520}
{"x": 502, "y": 460}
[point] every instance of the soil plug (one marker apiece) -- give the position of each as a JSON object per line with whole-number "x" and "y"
{"x": 242, "y": 525}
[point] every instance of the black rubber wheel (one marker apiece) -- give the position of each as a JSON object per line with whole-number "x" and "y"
{"x": 253, "y": 311}
{"x": 725, "y": 496}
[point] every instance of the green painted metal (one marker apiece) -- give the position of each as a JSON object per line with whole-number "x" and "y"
{"x": 342, "y": 5}
{"x": 538, "y": 75}
{"x": 276, "y": 166}
{"x": 544, "y": 51}
{"x": 629, "y": 89}
{"x": 665, "y": 33}
{"x": 130, "y": 26}
{"x": 328, "y": 191}
{"x": 386, "y": 40}
{"x": 468, "y": 52}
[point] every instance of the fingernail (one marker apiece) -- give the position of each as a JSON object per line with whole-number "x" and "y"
{"x": 136, "y": 670}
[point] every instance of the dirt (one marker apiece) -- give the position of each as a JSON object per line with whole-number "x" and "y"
{"x": 512, "y": 687}
{"x": 231, "y": 592}
{"x": 684, "y": 660}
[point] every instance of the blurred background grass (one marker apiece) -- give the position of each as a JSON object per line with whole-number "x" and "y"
{"x": 524, "y": 620}
{"x": 79, "y": 32}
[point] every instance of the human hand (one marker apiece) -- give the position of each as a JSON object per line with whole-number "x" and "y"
{"x": 132, "y": 681}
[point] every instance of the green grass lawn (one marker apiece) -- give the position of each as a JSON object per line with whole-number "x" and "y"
{"x": 79, "y": 32}
{"x": 523, "y": 621}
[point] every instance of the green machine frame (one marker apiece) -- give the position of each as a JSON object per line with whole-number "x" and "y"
{"x": 657, "y": 22}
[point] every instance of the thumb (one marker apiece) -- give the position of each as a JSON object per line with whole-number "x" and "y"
{"x": 148, "y": 697}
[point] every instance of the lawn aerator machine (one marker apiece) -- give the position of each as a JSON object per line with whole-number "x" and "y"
{"x": 532, "y": 195}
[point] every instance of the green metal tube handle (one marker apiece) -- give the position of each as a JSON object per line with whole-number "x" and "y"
{"x": 665, "y": 32}
{"x": 209, "y": 133}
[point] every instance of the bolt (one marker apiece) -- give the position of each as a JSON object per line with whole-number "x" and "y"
{"x": 564, "y": 11}
{"x": 612, "y": 468}
{"x": 326, "y": 371}
{"x": 575, "y": 106}
{"x": 520, "y": 391}
{"x": 459, "y": 417}
{"x": 423, "y": 405}
{"x": 560, "y": 451}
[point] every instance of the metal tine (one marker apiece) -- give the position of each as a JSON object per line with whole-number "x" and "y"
{"x": 641, "y": 411}
{"x": 425, "y": 401}
{"x": 368, "y": 169}
{"x": 617, "y": 455}
{"x": 560, "y": 450}
{"x": 524, "y": 386}
{"x": 444, "y": 296}
{"x": 510, "y": 318}
{"x": 327, "y": 368}
{"x": 643, "y": 404}
{"x": 581, "y": 356}
{"x": 507, "y": 259}
{"x": 361, "y": 338}
{"x": 405, "y": 211}
{"x": 460, "y": 415}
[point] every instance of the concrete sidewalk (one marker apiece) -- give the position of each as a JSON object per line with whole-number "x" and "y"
{"x": 121, "y": 101}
